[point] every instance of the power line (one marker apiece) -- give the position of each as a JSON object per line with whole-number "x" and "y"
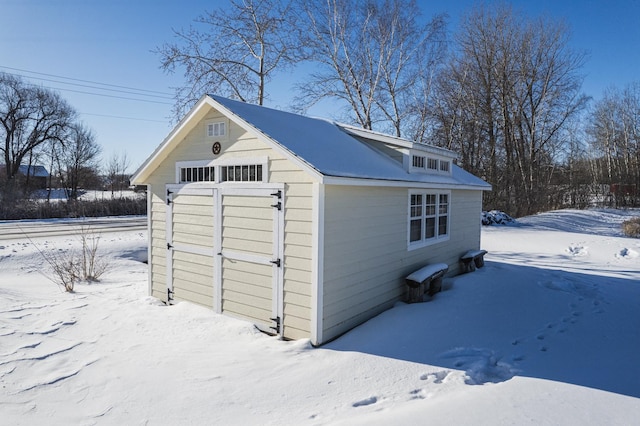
{"x": 136, "y": 92}
{"x": 105, "y": 95}
{"x": 85, "y": 81}
{"x": 100, "y": 88}
{"x": 123, "y": 118}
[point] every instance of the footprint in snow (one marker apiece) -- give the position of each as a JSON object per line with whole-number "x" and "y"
{"x": 577, "y": 250}
{"x": 626, "y": 253}
{"x": 481, "y": 365}
{"x": 418, "y": 394}
{"x": 364, "y": 402}
{"x": 437, "y": 377}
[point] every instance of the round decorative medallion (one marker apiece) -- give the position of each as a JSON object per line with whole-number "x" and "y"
{"x": 216, "y": 148}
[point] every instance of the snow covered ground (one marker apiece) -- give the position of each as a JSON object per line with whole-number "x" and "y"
{"x": 548, "y": 332}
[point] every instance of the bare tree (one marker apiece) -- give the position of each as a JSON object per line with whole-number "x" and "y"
{"x": 231, "y": 51}
{"x": 374, "y": 57}
{"x": 614, "y": 133}
{"x": 80, "y": 154}
{"x": 29, "y": 117}
{"x": 117, "y": 176}
{"x": 510, "y": 90}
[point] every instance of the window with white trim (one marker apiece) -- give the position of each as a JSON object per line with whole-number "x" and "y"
{"x": 418, "y": 162}
{"x": 428, "y": 217}
{"x": 432, "y": 163}
{"x": 216, "y": 129}
{"x": 444, "y": 166}
{"x": 197, "y": 174}
{"x": 241, "y": 173}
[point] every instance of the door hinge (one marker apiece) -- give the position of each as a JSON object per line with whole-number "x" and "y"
{"x": 169, "y": 197}
{"x": 169, "y": 296}
{"x": 276, "y": 262}
{"x": 278, "y": 205}
{"x": 169, "y": 246}
{"x": 277, "y": 194}
{"x": 277, "y": 327}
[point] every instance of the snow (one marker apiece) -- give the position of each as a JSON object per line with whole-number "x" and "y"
{"x": 425, "y": 272}
{"x": 547, "y": 332}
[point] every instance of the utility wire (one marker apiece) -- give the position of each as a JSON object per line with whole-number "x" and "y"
{"x": 136, "y": 92}
{"x": 105, "y": 95}
{"x": 100, "y": 88}
{"x": 124, "y": 118}
{"x": 85, "y": 81}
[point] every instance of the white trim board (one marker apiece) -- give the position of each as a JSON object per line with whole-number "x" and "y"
{"x": 317, "y": 276}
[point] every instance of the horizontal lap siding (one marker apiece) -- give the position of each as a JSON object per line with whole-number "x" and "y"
{"x": 466, "y": 207}
{"x": 362, "y": 227}
{"x": 158, "y": 249}
{"x": 193, "y": 228}
{"x": 297, "y": 247}
{"x": 366, "y": 256}
{"x": 246, "y": 290}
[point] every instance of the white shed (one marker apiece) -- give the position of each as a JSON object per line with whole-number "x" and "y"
{"x": 303, "y": 226}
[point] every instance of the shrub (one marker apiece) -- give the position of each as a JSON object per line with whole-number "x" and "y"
{"x": 35, "y": 209}
{"x": 631, "y": 227}
{"x": 496, "y": 217}
{"x": 71, "y": 266}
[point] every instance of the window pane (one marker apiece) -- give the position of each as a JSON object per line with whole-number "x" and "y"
{"x": 245, "y": 173}
{"x": 442, "y": 225}
{"x": 415, "y": 230}
{"x": 183, "y": 174}
{"x": 418, "y": 161}
{"x": 430, "y": 228}
{"x": 430, "y": 209}
{"x": 237, "y": 174}
{"x": 200, "y": 174}
{"x": 223, "y": 174}
{"x": 444, "y": 206}
{"x": 222, "y": 129}
{"x": 259, "y": 172}
{"x": 416, "y": 205}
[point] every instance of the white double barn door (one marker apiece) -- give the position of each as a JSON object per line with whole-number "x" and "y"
{"x": 224, "y": 250}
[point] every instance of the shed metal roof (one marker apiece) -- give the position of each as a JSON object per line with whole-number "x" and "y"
{"x": 333, "y": 151}
{"x": 324, "y": 147}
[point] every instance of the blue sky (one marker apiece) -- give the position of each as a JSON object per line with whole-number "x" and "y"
{"x": 110, "y": 42}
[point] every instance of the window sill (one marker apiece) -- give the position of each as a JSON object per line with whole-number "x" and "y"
{"x": 421, "y": 244}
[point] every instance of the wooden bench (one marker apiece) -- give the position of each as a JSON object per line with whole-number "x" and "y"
{"x": 426, "y": 279}
{"x": 471, "y": 260}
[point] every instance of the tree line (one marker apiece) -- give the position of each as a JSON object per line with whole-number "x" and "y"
{"x": 39, "y": 130}
{"x": 504, "y": 91}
